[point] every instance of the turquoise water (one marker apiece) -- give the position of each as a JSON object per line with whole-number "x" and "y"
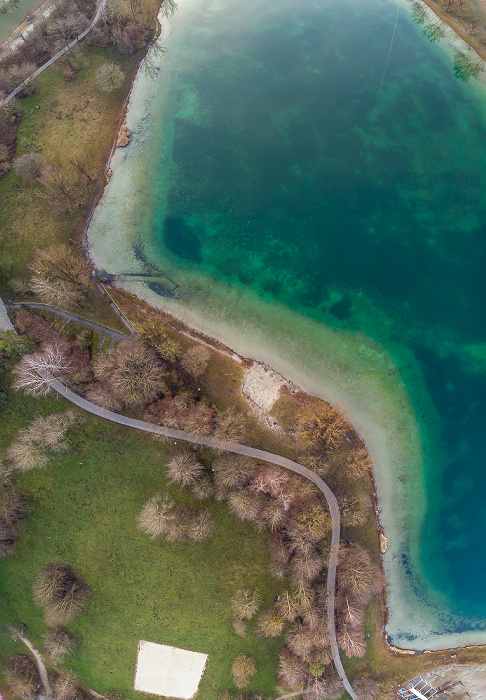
{"x": 276, "y": 167}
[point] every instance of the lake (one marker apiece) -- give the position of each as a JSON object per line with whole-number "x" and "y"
{"x": 311, "y": 177}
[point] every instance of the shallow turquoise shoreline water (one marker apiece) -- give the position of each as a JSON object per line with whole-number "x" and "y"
{"x": 339, "y": 238}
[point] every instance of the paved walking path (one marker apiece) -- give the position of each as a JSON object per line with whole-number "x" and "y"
{"x": 99, "y": 12}
{"x": 40, "y": 661}
{"x": 216, "y": 444}
{"x": 68, "y": 316}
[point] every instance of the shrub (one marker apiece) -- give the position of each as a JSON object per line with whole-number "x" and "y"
{"x": 243, "y": 669}
{"x": 321, "y": 425}
{"x": 239, "y": 627}
{"x": 195, "y": 360}
{"x": 245, "y": 603}
{"x": 232, "y": 471}
{"x": 60, "y": 593}
{"x": 26, "y": 455}
{"x": 270, "y": 623}
{"x": 231, "y": 425}
{"x": 109, "y": 77}
{"x": 30, "y": 166}
{"x": 293, "y": 671}
{"x": 184, "y": 469}
{"x": 137, "y": 376}
{"x": 244, "y": 505}
{"x": 201, "y": 526}
{"x": 58, "y": 642}
{"x": 155, "y": 515}
{"x": 22, "y": 676}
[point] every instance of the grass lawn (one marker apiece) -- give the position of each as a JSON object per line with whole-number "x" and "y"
{"x": 61, "y": 121}
{"x": 85, "y": 505}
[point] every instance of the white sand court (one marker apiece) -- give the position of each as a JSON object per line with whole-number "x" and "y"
{"x": 168, "y": 671}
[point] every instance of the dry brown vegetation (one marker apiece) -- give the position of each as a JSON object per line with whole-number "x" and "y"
{"x": 58, "y": 643}
{"x": 22, "y": 676}
{"x": 161, "y": 516}
{"x": 60, "y": 592}
{"x": 243, "y": 669}
{"x": 13, "y": 509}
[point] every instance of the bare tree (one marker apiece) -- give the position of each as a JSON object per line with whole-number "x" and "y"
{"x": 60, "y": 190}
{"x": 179, "y": 523}
{"x": 277, "y": 570}
{"x": 308, "y": 567}
{"x": 62, "y": 262}
{"x": 30, "y": 166}
{"x": 60, "y": 593}
{"x": 203, "y": 489}
{"x": 109, "y": 77}
{"x": 101, "y": 394}
{"x": 232, "y": 471}
{"x": 245, "y": 603}
{"x": 168, "y": 8}
{"x": 32, "y": 372}
{"x": 322, "y": 425}
{"x": 155, "y": 515}
{"x": 153, "y": 331}
{"x": 54, "y": 292}
{"x": 288, "y": 606}
{"x": 184, "y": 469}
{"x": 201, "y": 526}
{"x": 351, "y": 640}
{"x": 293, "y": 671}
{"x": 357, "y": 573}
{"x": 270, "y": 623}
{"x": 278, "y": 549}
{"x": 64, "y": 685}
{"x": 313, "y": 520}
{"x": 274, "y": 514}
{"x": 58, "y": 642}
{"x": 244, "y": 505}
{"x": 138, "y": 376}
{"x": 239, "y": 627}
{"x": 22, "y": 676}
{"x": 82, "y": 165}
{"x": 243, "y": 669}
{"x": 231, "y": 425}
{"x": 195, "y": 361}
{"x": 301, "y": 642}
{"x": 27, "y": 455}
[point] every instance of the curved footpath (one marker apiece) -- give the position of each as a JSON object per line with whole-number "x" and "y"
{"x": 248, "y": 452}
{"x": 68, "y": 316}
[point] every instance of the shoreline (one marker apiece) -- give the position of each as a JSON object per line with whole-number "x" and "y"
{"x": 180, "y": 326}
{"x": 202, "y": 334}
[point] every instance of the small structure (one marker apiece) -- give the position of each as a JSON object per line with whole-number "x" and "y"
{"x": 417, "y": 689}
{"x": 164, "y": 670}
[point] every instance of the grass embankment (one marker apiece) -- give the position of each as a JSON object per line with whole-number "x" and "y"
{"x": 62, "y": 121}
{"x": 85, "y": 506}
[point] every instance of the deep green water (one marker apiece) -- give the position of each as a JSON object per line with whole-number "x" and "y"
{"x": 279, "y": 172}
